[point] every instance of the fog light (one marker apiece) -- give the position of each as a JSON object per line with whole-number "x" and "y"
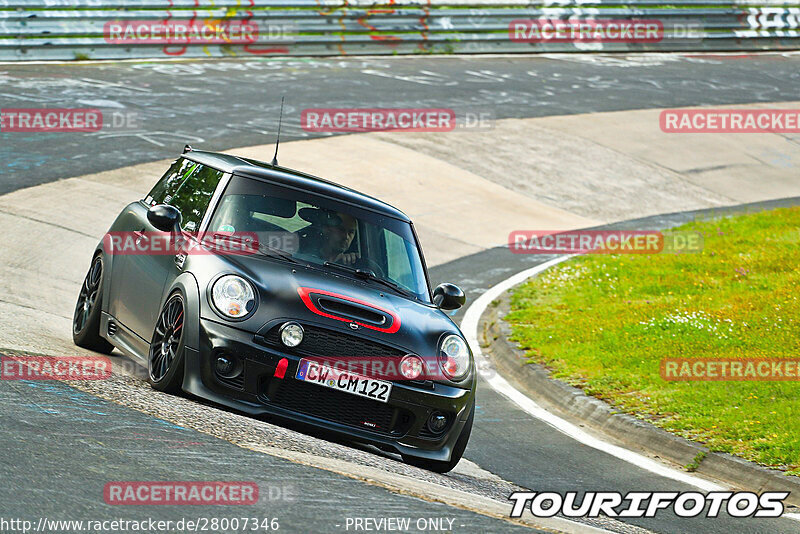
{"x": 437, "y": 422}
{"x": 226, "y": 367}
{"x": 291, "y": 334}
{"x": 411, "y": 367}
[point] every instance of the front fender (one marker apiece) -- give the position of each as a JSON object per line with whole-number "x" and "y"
{"x": 186, "y": 283}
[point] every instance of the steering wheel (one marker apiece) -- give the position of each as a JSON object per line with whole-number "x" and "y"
{"x": 372, "y": 265}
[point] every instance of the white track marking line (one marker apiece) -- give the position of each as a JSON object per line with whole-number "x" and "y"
{"x": 469, "y": 325}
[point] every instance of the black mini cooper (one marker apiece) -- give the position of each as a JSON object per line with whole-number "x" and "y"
{"x": 271, "y": 291}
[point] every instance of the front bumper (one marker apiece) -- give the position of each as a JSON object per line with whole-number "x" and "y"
{"x": 399, "y": 425}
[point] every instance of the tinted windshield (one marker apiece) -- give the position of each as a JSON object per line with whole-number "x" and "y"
{"x": 318, "y": 230}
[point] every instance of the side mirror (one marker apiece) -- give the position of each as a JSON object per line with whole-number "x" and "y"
{"x": 448, "y": 297}
{"x": 165, "y": 218}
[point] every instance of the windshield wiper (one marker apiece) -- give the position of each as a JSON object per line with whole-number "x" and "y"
{"x": 265, "y": 249}
{"x": 368, "y": 274}
{"x": 392, "y": 285}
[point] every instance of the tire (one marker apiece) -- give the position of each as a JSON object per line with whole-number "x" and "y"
{"x": 165, "y": 358}
{"x": 458, "y": 451}
{"x": 86, "y": 317}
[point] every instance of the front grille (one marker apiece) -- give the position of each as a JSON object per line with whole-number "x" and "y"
{"x": 323, "y": 342}
{"x": 340, "y": 407}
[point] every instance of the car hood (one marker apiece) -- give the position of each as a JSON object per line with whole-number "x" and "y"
{"x": 333, "y": 300}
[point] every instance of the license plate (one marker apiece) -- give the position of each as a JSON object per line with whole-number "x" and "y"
{"x": 342, "y": 380}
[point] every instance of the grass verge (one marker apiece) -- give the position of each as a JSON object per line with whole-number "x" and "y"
{"x": 604, "y": 323}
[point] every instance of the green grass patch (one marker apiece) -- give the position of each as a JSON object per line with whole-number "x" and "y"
{"x": 604, "y": 323}
{"x": 695, "y": 463}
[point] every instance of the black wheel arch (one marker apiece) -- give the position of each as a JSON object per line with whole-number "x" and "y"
{"x": 107, "y": 262}
{"x": 186, "y": 285}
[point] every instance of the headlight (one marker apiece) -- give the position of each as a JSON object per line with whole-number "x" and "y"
{"x": 233, "y": 296}
{"x": 454, "y": 357}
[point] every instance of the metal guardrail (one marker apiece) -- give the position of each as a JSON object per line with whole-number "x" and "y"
{"x": 85, "y": 29}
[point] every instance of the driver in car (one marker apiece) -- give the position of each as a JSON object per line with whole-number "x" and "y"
{"x": 330, "y": 238}
{"x": 337, "y": 239}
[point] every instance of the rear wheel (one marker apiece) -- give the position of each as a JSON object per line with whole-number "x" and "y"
{"x": 86, "y": 319}
{"x": 458, "y": 451}
{"x": 165, "y": 361}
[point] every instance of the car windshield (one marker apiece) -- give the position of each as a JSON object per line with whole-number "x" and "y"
{"x": 312, "y": 229}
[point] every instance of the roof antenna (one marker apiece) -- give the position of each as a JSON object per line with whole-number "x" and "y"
{"x": 278, "y": 140}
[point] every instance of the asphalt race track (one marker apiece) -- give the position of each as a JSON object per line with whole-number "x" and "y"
{"x": 224, "y": 104}
{"x": 61, "y": 445}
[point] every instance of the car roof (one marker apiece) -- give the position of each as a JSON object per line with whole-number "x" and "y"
{"x": 292, "y": 178}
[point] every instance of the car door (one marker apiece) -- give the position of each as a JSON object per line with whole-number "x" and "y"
{"x": 188, "y": 186}
{"x": 138, "y": 278}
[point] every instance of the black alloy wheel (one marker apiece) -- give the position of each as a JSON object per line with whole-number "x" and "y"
{"x": 165, "y": 363}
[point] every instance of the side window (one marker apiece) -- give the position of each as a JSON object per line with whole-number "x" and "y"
{"x": 170, "y": 182}
{"x": 194, "y": 194}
